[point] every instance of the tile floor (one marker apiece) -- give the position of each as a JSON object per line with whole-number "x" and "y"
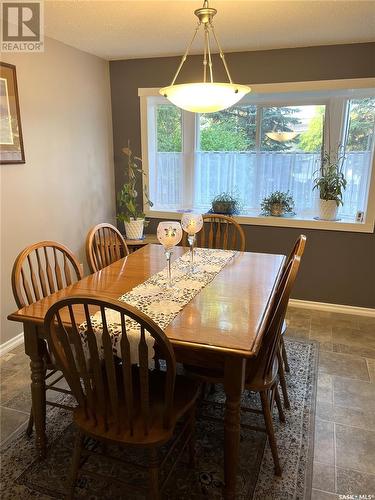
{"x": 344, "y": 460}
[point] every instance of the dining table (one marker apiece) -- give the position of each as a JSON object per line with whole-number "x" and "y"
{"x": 220, "y": 328}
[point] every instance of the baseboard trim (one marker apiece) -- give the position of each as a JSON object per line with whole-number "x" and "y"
{"x": 11, "y": 344}
{"x": 338, "y": 308}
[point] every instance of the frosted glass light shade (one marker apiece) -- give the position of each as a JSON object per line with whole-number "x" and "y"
{"x": 204, "y": 97}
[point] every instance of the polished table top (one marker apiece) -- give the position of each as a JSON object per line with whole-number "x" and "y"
{"x": 227, "y": 315}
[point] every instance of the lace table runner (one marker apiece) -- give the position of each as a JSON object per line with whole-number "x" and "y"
{"x": 157, "y": 301}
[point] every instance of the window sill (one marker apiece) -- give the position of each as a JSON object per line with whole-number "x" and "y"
{"x": 297, "y": 221}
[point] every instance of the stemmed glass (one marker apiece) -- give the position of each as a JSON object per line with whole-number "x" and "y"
{"x": 192, "y": 224}
{"x": 169, "y": 234}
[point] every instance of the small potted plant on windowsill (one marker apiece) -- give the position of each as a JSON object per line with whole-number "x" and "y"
{"x": 278, "y": 204}
{"x": 133, "y": 218}
{"x": 331, "y": 182}
{"x": 225, "y": 204}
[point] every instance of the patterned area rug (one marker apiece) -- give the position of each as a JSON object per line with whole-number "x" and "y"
{"x": 22, "y": 476}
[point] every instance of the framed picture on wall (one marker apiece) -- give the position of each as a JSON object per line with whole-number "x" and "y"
{"x": 11, "y": 143}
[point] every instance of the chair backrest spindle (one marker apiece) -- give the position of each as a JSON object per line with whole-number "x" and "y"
{"x": 104, "y": 245}
{"x": 103, "y": 374}
{"x": 271, "y": 338}
{"x": 220, "y": 232}
{"x": 32, "y": 274}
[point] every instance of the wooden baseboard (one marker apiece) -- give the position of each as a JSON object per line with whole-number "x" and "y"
{"x": 11, "y": 344}
{"x": 337, "y": 308}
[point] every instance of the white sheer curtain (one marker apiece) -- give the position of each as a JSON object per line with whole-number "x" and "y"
{"x": 166, "y": 189}
{"x": 251, "y": 176}
{"x": 357, "y": 168}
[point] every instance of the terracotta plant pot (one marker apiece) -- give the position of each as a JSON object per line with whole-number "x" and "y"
{"x": 277, "y": 209}
{"x": 224, "y": 207}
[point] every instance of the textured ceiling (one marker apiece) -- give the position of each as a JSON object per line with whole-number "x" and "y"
{"x": 125, "y": 29}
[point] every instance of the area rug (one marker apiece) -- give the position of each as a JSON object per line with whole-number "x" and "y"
{"x": 24, "y": 477}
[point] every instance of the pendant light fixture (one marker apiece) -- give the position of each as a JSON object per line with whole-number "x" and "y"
{"x": 207, "y": 96}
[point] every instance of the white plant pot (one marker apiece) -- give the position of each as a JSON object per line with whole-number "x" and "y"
{"x": 327, "y": 209}
{"x": 134, "y": 229}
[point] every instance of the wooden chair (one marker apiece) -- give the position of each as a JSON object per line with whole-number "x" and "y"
{"x": 104, "y": 245}
{"x": 38, "y": 271}
{"x": 298, "y": 250}
{"x": 121, "y": 403}
{"x": 262, "y": 373}
{"x": 220, "y": 231}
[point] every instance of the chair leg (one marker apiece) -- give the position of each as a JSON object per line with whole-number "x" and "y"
{"x": 30, "y": 425}
{"x": 278, "y": 404}
{"x": 284, "y": 355}
{"x": 192, "y": 437}
{"x": 283, "y": 382}
{"x": 154, "y": 475}
{"x": 270, "y": 432}
{"x": 75, "y": 465}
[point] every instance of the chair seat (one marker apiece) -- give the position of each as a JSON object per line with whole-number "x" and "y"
{"x": 257, "y": 382}
{"x": 254, "y": 381}
{"x": 185, "y": 394}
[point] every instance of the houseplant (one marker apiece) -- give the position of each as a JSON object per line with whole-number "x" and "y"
{"x": 277, "y": 204}
{"x": 226, "y": 204}
{"x": 331, "y": 182}
{"x": 133, "y": 218}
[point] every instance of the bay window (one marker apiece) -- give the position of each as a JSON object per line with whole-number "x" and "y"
{"x": 270, "y": 141}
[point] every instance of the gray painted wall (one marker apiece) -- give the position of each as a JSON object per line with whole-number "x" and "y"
{"x": 338, "y": 267}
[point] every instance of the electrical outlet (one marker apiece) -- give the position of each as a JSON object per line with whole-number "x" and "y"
{"x": 360, "y": 216}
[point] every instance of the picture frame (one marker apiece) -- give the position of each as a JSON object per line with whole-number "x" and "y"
{"x": 11, "y": 141}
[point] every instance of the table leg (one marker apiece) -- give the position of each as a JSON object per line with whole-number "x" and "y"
{"x": 233, "y": 385}
{"x": 34, "y": 348}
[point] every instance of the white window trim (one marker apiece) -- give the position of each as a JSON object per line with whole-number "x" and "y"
{"x": 298, "y": 222}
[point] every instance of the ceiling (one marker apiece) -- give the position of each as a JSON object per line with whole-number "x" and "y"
{"x": 126, "y": 29}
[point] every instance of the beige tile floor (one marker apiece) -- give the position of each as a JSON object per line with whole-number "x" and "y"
{"x": 344, "y": 460}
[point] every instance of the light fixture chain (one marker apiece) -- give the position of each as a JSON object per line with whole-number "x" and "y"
{"x": 221, "y": 52}
{"x": 186, "y": 53}
{"x": 205, "y": 59}
{"x": 205, "y": 96}
{"x": 207, "y": 43}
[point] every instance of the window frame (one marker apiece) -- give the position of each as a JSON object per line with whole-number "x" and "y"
{"x": 340, "y": 89}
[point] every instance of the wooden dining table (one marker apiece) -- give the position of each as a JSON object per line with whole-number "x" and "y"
{"x": 221, "y": 327}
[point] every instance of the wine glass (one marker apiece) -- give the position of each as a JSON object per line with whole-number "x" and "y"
{"x": 192, "y": 224}
{"x": 169, "y": 234}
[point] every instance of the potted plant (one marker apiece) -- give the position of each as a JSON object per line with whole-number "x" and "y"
{"x": 277, "y": 204}
{"x": 226, "y": 204}
{"x": 133, "y": 218}
{"x": 331, "y": 182}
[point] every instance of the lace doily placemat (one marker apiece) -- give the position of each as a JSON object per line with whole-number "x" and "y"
{"x": 160, "y": 303}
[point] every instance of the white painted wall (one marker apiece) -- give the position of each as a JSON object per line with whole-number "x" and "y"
{"x": 67, "y": 182}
